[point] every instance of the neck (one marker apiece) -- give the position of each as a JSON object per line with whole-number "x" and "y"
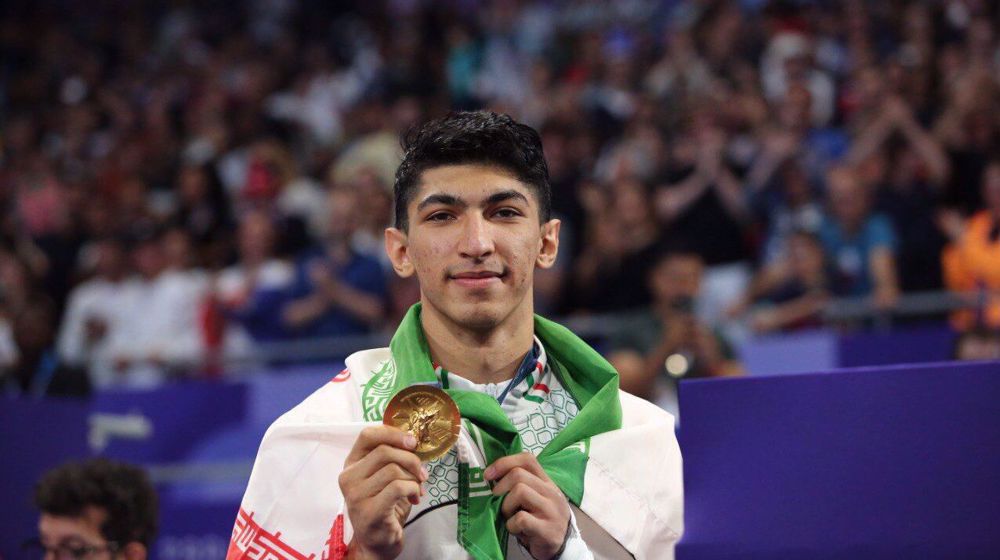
{"x": 486, "y": 356}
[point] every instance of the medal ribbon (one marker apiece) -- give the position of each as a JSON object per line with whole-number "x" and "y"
{"x": 588, "y": 377}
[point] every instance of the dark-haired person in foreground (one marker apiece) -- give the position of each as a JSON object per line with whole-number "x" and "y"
{"x": 553, "y": 460}
{"x": 96, "y": 509}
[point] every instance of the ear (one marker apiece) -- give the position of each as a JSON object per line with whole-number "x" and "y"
{"x": 396, "y": 246}
{"x": 548, "y": 244}
{"x": 135, "y": 551}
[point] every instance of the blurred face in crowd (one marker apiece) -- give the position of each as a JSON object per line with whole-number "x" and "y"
{"x": 110, "y": 260}
{"x": 193, "y": 185}
{"x": 177, "y": 249}
{"x": 33, "y": 327}
{"x": 869, "y": 87}
{"x": 805, "y": 253}
{"x": 148, "y": 258}
{"x": 874, "y": 169}
{"x": 795, "y": 107}
{"x": 256, "y": 237}
{"x": 132, "y": 195}
{"x": 14, "y": 279}
{"x": 631, "y": 204}
{"x": 343, "y": 206}
{"x": 473, "y": 242}
{"x": 795, "y": 185}
{"x": 848, "y": 200}
{"x": 374, "y": 210}
{"x": 677, "y": 278}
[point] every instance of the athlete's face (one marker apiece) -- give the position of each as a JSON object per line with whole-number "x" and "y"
{"x": 474, "y": 240}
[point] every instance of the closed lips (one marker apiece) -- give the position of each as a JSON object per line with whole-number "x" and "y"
{"x": 474, "y": 275}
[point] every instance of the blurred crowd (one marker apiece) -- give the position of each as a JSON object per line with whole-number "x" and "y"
{"x": 182, "y": 182}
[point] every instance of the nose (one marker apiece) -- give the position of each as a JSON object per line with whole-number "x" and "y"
{"x": 477, "y": 239}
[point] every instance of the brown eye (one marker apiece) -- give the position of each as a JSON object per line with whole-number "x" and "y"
{"x": 507, "y": 213}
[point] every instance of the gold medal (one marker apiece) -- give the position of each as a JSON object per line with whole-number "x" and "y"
{"x": 428, "y": 414}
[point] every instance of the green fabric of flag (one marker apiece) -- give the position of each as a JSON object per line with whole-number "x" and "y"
{"x": 587, "y": 376}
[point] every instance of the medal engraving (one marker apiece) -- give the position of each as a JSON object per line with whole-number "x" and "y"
{"x": 427, "y": 413}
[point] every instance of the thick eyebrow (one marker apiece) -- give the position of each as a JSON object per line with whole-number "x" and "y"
{"x": 504, "y": 196}
{"x": 440, "y": 198}
{"x": 452, "y": 200}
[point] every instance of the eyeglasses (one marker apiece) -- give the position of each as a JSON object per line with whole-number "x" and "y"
{"x": 34, "y": 548}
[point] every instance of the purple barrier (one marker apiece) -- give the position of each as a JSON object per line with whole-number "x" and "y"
{"x": 909, "y": 346}
{"x": 36, "y": 436}
{"x": 895, "y": 462}
{"x": 790, "y": 353}
{"x": 809, "y": 351}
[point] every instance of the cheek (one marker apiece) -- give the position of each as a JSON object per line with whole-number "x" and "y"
{"x": 522, "y": 259}
{"x": 429, "y": 259}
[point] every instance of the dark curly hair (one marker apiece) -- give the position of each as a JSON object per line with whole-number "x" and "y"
{"x": 121, "y": 490}
{"x": 477, "y": 137}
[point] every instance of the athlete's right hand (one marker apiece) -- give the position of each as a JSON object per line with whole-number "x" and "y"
{"x": 380, "y": 483}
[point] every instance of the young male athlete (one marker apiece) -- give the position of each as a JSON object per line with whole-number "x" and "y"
{"x": 553, "y": 460}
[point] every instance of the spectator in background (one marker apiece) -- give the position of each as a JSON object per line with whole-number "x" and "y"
{"x": 203, "y": 210}
{"x": 861, "y": 244}
{"x": 906, "y": 168}
{"x": 788, "y": 62}
{"x": 972, "y": 262}
{"x": 376, "y": 149}
{"x": 372, "y": 214}
{"x": 799, "y": 290}
{"x": 28, "y": 364}
{"x": 791, "y": 128}
{"x": 36, "y": 369}
{"x": 337, "y": 291}
{"x": 159, "y": 334}
{"x": 252, "y": 293}
{"x": 95, "y": 509}
{"x": 613, "y": 265}
{"x": 966, "y": 124}
{"x": 94, "y": 312}
{"x": 703, "y": 205}
{"x": 667, "y": 341}
{"x": 273, "y": 178}
{"x": 789, "y": 206}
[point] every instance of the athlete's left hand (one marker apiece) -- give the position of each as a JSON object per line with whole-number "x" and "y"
{"x": 536, "y": 510}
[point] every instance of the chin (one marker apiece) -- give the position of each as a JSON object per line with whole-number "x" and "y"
{"x": 478, "y": 320}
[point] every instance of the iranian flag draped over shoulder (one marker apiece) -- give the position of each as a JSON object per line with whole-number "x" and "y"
{"x": 617, "y": 462}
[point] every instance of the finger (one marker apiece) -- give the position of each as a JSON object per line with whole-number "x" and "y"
{"x": 519, "y": 475}
{"x": 377, "y": 482}
{"x": 524, "y": 525}
{"x": 373, "y": 436}
{"x": 384, "y": 455}
{"x": 395, "y": 491}
{"x": 525, "y": 460}
{"x": 523, "y": 497}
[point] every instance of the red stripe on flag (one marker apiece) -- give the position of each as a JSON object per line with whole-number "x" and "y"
{"x": 541, "y": 387}
{"x": 336, "y": 547}
{"x": 251, "y": 541}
